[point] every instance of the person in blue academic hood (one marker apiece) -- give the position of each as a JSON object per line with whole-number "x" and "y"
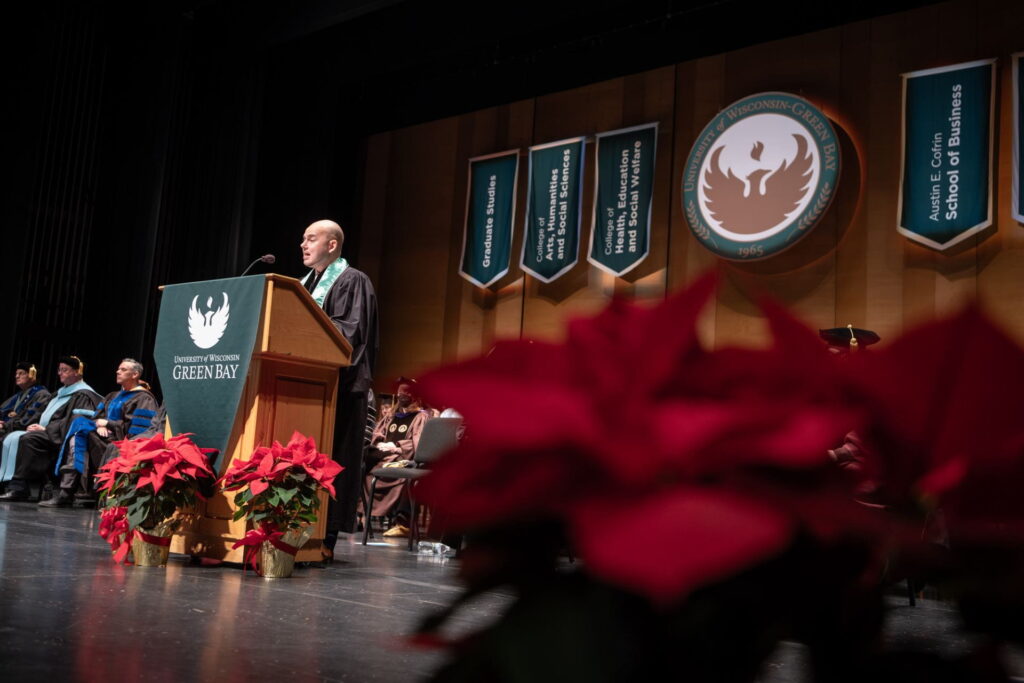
{"x": 123, "y": 413}
{"x": 17, "y": 411}
{"x": 347, "y": 296}
{"x": 35, "y": 450}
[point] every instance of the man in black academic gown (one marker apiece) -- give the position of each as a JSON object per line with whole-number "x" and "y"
{"x": 347, "y": 296}
{"x": 122, "y": 414}
{"x": 39, "y": 445}
{"x": 17, "y": 411}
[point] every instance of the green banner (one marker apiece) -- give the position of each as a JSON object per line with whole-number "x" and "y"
{"x": 551, "y": 245}
{"x": 205, "y": 336}
{"x": 490, "y": 213}
{"x": 621, "y": 232}
{"x": 1018, "y": 143}
{"x": 946, "y": 190}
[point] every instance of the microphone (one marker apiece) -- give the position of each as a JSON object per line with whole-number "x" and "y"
{"x": 266, "y": 258}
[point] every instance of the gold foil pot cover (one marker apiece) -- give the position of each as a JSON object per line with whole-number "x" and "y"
{"x": 151, "y": 554}
{"x": 277, "y": 564}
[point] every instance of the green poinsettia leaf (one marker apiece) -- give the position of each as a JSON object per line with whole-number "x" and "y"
{"x": 136, "y": 517}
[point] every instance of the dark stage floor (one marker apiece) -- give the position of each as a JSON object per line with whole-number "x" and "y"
{"x": 69, "y": 613}
{"x": 65, "y": 607}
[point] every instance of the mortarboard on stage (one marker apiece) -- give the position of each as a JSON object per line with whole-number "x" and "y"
{"x": 849, "y": 337}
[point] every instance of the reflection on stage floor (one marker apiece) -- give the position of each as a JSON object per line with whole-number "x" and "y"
{"x": 68, "y": 612}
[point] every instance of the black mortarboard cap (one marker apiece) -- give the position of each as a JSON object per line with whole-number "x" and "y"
{"x": 27, "y": 367}
{"x": 73, "y": 362}
{"x": 849, "y": 336}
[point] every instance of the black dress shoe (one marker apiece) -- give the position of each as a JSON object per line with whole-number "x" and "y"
{"x": 13, "y": 495}
{"x": 86, "y": 500}
{"x": 61, "y": 500}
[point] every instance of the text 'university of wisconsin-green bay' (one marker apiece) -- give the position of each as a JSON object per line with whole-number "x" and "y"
{"x": 205, "y": 366}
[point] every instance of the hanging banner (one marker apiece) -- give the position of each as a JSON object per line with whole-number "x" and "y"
{"x": 946, "y": 180}
{"x": 490, "y": 214}
{"x": 1018, "y": 151}
{"x": 760, "y": 176}
{"x": 620, "y": 234}
{"x": 555, "y": 192}
{"x": 204, "y": 340}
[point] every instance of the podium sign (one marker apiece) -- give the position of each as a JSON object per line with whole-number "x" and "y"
{"x": 205, "y": 339}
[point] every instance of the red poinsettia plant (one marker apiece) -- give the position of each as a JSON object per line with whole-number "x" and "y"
{"x": 147, "y": 484}
{"x": 716, "y": 450}
{"x": 277, "y": 488}
{"x": 697, "y": 490}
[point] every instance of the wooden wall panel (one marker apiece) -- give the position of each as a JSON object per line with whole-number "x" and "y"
{"x": 879, "y": 140}
{"x": 700, "y": 94}
{"x": 373, "y": 215}
{"x": 854, "y": 268}
{"x": 414, "y": 262}
{"x": 852, "y": 114}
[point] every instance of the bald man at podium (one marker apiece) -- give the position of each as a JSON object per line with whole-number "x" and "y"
{"x": 347, "y": 296}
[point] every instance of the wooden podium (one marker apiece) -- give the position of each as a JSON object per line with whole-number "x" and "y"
{"x": 292, "y": 385}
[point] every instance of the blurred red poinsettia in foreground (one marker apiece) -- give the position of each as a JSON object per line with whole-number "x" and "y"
{"x": 671, "y": 466}
{"x": 945, "y": 429}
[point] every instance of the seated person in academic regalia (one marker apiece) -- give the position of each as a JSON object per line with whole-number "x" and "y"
{"x": 395, "y": 440}
{"x": 122, "y": 414}
{"x": 17, "y": 411}
{"x": 35, "y": 450}
{"x": 849, "y": 456}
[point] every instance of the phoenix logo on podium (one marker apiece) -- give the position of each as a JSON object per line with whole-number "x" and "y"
{"x": 760, "y": 176}
{"x": 206, "y": 329}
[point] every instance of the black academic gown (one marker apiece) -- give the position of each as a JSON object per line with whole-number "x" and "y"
{"x": 352, "y": 304}
{"x": 139, "y": 399}
{"x": 37, "y": 451}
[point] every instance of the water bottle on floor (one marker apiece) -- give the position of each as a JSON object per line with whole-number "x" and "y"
{"x": 433, "y": 548}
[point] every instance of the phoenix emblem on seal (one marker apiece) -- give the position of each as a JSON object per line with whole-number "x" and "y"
{"x": 760, "y": 176}
{"x": 206, "y": 329}
{"x": 762, "y": 199}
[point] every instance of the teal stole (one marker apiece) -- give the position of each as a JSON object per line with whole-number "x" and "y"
{"x": 330, "y": 275}
{"x": 63, "y": 396}
{"x": 10, "y": 454}
{"x": 10, "y": 447}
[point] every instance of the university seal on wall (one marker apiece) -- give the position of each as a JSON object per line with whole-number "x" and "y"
{"x": 760, "y": 176}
